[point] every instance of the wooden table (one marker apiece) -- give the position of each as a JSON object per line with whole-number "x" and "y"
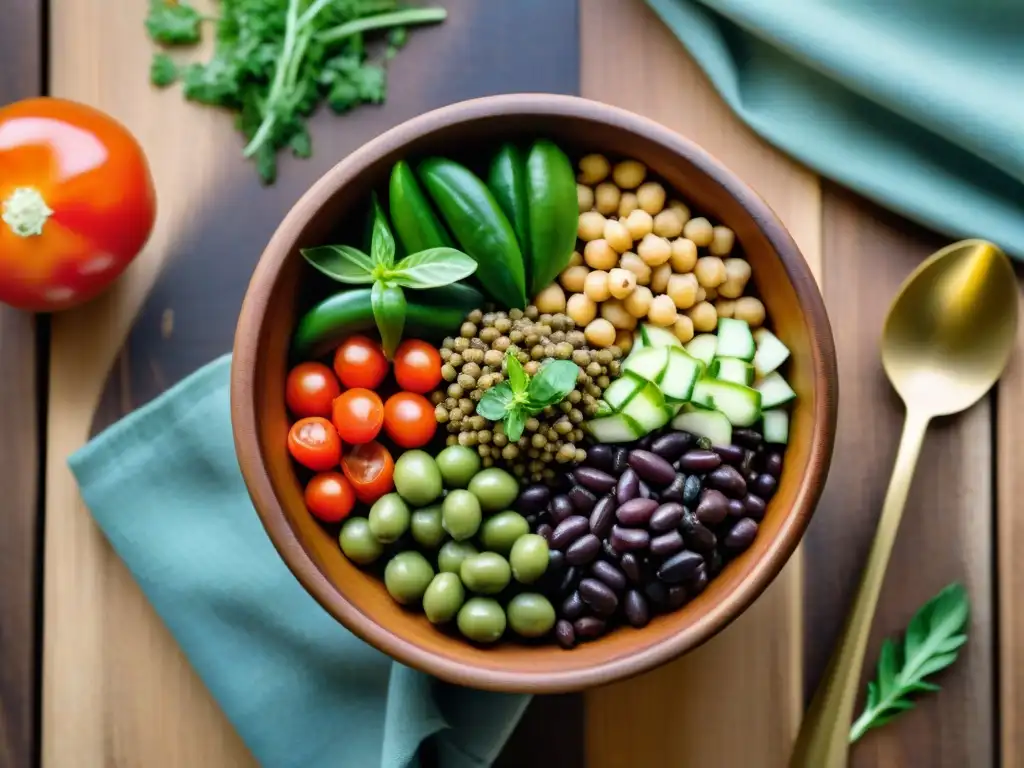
{"x": 90, "y": 677}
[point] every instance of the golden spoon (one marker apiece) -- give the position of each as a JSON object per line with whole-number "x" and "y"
{"x": 946, "y": 341}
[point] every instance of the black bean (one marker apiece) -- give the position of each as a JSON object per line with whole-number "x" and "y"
{"x": 677, "y": 597}
{"x": 609, "y": 574}
{"x": 748, "y": 438}
{"x": 568, "y": 531}
{"x": 573, "y": 607}
{"x": 644, "y": 443}
{"x": 559, "y": 508}
{"x": 679, "y": 567}
{"x": 637, "y": 612}
{"x": 545, "y": 530}
{"x": 556, "y": 560}
{"x": 699, "y": 461}
{"x": 691, "y": 490}
{"x": 533, "y": 499}
{"x": 564, "y": 634}
{"x": 630, "y": 564}
{"x": 737, "y": 508}
{"x": 603, "y": 517}
{"x": 583, "y": 550}
{"x": 728, "y": 480}
{"x": 773, "y": 463}
{"x": 588, "y": 627}
{"x": 697, "y": 537}
{"x": 672, "y": 445}
{"x": 582, "y": 500}
{"x": 666, "y": 544}
{"x": 629, "y": 539}
{"x": 674, "y": 491}
{"x": 569, "y": 581}
{"x": 628, "y": 486}
{"x": 713, "y": 507}
{"x": 651, "y": 467}
{"x": 599, "y": 596}
{"x": 754, "y": 506}
{"x": 620, "y": 462}
{"x": 666, "y": 517}
{"x": 741, "y": 536}
{"x": 698, "y": 582}
{"x": 636, "y": 512}
{"x": 714, "y": 564}
{"x": 764, "y": 486}
{"x": 752, "y": 478}
{"x": 645, "y": 490}
{"x": 749, "y": 458}
{"x": 594, "y": 479}
{"x": 656, "y": 592}
{"x": 600, "y": 457}
{"x": 730, "y": 454}
{"x": 610, "y": 553}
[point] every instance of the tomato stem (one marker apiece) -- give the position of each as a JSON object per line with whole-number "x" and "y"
{"x": 25, "y": 212}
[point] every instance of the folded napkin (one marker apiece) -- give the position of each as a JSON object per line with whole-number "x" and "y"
{"x": 915, "y": 104}
{"x": 164, "y": 486}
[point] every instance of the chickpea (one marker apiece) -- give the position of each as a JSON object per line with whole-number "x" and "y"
{"x": 593, "y": 168}
{"x": 574, "y": 278}
{"x": 606, "y": 198}
{"x": 600, "y": 333}
{"x": 596, "y": 286}
{"x": 662, "y": 311}
{"x": 751, "y": 310}
{"x": 701, "y": 294}
{"x": 617, "y": 235}
{"x": 683, "y": 328}
{"x": 722, "y": 240}
{"x": 590, "y": 226}
{"x": 654, "y": 250}
{"x": 581, "y": 309}
{"x": 703, "y": 316}
{"x": 636, "y": 265}
{"x": 737, "y": 273}
{"x": 621, "y": 282}
{"x": 699, "y": 230}
{"x": 627, "y": 204}
{"x": 684, "y": 255}
{"x": 640, "y": 224}
{"x": 660, "y": 276}
{"x": 639, "y": 301}
{"x": 725, "y": 307}
{"x": 551, "y": 299}
{"x": 731, "y": 289}
{"x": 667, "y": 224}
{"x": 575, "y": 260}
{"x": 624, "y": 340}
{"x": 681, "y": 210}
{"x": 599, "y": 255}
{"x": 682, "y": 289}
{"x": 616, "y": 314}
{"x": 651, "y": 197}
{"x": 710, "y": 271}
{"x": 584, "y": 198}
{"x": 629, "y": 174}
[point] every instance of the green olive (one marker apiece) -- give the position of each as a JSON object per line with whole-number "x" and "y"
{"x": 482, "y": 620}
{"x": 460, "y": 514}
{"x": 529, "y": 558}
{"x": 458, "y": 464}
{"x": 417, "y": 478}
{"x": 486, "y": 573}
{"x": 389, "y": 518}
{"x": 407, "y": 576}
{"x": 500, "y": 532}
{"x": 449, "y": 559}
{"x": 495, "y": 488}
{"x": 358, "y": 542}
{"x": 426, "y": 527}
{"x": 531, "y": 614}
{"x": 443, "y": 598}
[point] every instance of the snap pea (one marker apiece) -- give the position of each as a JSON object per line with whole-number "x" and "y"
{"x": 553, "y": 214}
{"x": 415, "y": 222}
{"x": 507, "y": 181}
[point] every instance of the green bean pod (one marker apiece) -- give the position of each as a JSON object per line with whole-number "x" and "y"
{"x": 553, "y": 209}
{"x": 414, "y": 220}
{"x": 507, "y": 182}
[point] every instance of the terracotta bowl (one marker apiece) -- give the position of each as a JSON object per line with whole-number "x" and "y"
{"x": 469, "y": 131}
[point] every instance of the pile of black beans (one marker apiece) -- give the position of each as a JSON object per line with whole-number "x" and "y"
{"x": 641, "y": 529}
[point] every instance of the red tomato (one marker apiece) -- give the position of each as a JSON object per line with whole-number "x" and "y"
{"x": 314, "y": 443}
{"x": 76, "y": 203}
{"x": 371, "y": 470}
{"x": 330, "y": 496}
{"x": 417, "y": 366}
{"x": 359, "y": 362}
{"x": 357, "y": 414}
{"x": 310, "y": 390}
{"x": 409, "y": 419}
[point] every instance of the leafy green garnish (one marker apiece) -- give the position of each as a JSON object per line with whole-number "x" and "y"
{"x": 163, "y": 71}
{"x": 172, "y": 23}
{"x": 932, "y": 642}
{"x": 521, "y": 396}
{"x": 388, "y": 302}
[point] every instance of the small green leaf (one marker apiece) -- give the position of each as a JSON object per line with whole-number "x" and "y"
{"x": 494, "y": 404}
{"x": 935, "y": 663}
{"x": 517, "y": 377}
{"x": 514, "y": 424}
{"x": 382, "y": 243}
{"x": 555, "y": 380}
{"x": 170, "y": 22}
{"x": 432, "y": 268}
{"x": 388, "y": 302}
{"x": 341, "y": 262}
{"x": 888, "y": 668}
{"x": 163, "y": 71}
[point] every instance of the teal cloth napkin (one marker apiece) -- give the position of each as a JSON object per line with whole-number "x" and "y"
{"x": 915, "y": 104}
{"x": 165, "y": 487}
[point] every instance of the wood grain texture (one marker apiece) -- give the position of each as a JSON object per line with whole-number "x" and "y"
{"x": 21, "y": 76}
{"x": 674, "y": 715}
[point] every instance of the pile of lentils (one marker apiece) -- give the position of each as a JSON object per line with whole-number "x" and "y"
{"x": 641, "y": 529}
{"x": 474, "y": 362}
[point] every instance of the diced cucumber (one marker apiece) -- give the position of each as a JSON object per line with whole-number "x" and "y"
{"x": 742, "y": 405}
{"x": 639, "y": 342}
{"x": 623, "y": 388}
{"x": 775, "y": 391}
{"x": 735, "y": 339}
{"x": 648, "y": 408}
{"x": 732, "y": 369}
{"x": 681, "y": 375}
{"x": 776, "y": 427}
{"x": 603, "y": 409}
{"x": 771, "y": 353}
{"x": 648, "y": 363}
{"x": 714, "y": 425}
{"x": 617, "y": 428}
{"x": 658, "y": 337}
{"x": 702, "y": 347}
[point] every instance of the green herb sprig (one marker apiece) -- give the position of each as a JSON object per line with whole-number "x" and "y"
{"x": 521, "y": 396}
{"x": 932, "y": 642}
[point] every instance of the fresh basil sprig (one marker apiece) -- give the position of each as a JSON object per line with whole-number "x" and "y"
{"x": 521, "y": 396}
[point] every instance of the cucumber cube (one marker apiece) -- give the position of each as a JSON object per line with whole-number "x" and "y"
{"x": 680, "y": 375}
{"x": 649, "y": 363}
{"x": 702, "y": 347}
{"x": 771, "y": 353}
{"x": 740, "y": 404}
{"x": 775, "y": 391}
{"x": 713, "y": 425}
{"x": 735, "y": 339}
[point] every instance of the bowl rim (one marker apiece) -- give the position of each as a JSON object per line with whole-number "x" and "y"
{"x": 244, "y": 418}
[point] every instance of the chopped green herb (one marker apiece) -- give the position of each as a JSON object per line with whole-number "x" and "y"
{"x": 172, "y": 23}
{"x": 163, "y": 71}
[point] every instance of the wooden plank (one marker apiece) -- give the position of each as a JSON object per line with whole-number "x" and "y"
{"x": 946, "y": 533}
{"x": 688, "y": 713}
{"x": 21, "y": 76}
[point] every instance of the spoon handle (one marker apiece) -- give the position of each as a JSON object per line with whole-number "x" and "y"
{"x": 823, "y": 741}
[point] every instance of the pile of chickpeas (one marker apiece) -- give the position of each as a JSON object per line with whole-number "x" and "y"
{"x": 643, "y": 258}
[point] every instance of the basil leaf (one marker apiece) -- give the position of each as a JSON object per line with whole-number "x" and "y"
{"x": 495, "y": 401}
{"x": 382, "y": 242}
{"x": 388, "y": 303}
{"x": 514, "y": 424}
{"x": 432, "y": 268}
{"x": 551, "y": 384}
{"x": 341, "y": 262}
{"x": 517, "y": 377}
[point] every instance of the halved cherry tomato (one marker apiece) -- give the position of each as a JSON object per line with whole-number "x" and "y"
{"x": 370, "y": 469}
{"x": 360, "y": 362}
{"x": 358, "y": 414}
{"x": 417, "y": 366}
{"x": 330, "y": 496}
{"x": 314, "y": 443}
{"x": 409, "y": 419}
{"x": 310, "y": 390}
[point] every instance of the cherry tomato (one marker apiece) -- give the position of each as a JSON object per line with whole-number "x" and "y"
{"x": 76, "y": 202}
{"x": 310, "y": 390}
{"x": 330, "y": 496}
{"x": 409, "y": 419}
{"x": 370, "y": 469}
{"x": 417, "y": 366}
{"x": 358, "y": 414}
{"x": 314, "y": 443}
{"x": 359, "y": 362}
